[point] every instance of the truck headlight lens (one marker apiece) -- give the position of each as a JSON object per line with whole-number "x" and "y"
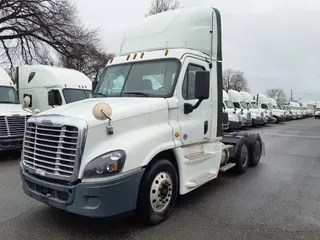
{"x": 105, "y": 165}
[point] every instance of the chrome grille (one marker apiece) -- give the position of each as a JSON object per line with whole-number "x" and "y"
{"x": 52, "y": 149}
{"x": 12, "y": 125}
{"x": 3, "y": 127}
{"x": 225, "y": 118}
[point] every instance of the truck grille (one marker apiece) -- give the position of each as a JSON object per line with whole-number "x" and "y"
{"x": 51, "y": 148}
{"x": 225, "y": 118}
{"x": 12, "y": 125}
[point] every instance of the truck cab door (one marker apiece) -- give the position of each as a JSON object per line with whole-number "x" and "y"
{"x": 195, "y": 126}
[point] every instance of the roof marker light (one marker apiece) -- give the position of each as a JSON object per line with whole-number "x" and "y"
{"x": 142, "y": 54}
{"x": 128, "y": 57}
{"x": 134, "y": 56}
{"x": 166, "y": 52}
{"x": 111, "y": 60}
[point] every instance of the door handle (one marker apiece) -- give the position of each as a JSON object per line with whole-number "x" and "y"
{"x": 205, "y": 127}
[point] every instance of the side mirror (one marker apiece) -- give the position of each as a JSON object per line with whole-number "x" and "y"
{"x": 201, "y": 90}
{"x": 202, "y": 85}
{"x": 26, "y": 102}
{"x": 51, "y": 100}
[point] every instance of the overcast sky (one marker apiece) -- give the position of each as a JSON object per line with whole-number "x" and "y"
{"x": 276, "y": 43}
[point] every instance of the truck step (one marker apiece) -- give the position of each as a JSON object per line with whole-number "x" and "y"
{"x": 201, "y": 179}
{"x": 198, "y": 156}
{"x": 225, "y": 147}
{"x": 227, "y": 167}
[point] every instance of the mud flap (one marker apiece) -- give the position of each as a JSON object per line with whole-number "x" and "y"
{"x": 263, "y": 150}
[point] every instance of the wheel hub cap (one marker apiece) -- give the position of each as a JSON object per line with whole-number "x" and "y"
{"x": 161, "y": 192}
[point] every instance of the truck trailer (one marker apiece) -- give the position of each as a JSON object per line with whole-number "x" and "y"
{"x": 138, "y": 148}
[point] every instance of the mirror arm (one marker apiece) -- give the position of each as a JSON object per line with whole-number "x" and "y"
{"x": 188, "y": 108}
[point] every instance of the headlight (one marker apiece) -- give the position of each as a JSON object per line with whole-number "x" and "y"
{"x": 105, "y": 165}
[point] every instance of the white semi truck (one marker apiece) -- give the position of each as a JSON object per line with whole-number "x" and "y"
{"x": 138, "y": 148}
{"x": 257, "y": 113}
{"x": 279, "y": 115}
{"x": 241, "y": 107}
{"x": 43, "y": 87}
{"x": 235, "y": 119}
{"x": 12, "y": 117}
{"x": 263, "y": 102}
{"x": 296, "y": 108}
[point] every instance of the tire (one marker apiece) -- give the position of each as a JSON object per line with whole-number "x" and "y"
{"x": 255, "y": 149}
{"x": 156, "y": 181}
{"x": 242, "y": 156}
{"x": 276, "y": 119}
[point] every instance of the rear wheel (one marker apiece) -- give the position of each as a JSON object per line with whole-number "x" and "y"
{"x": 255, "y": 144}
{"x": 242, "y": 157}
{"x": 158, "y": 192}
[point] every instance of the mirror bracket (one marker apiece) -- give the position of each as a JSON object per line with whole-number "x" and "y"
{"x": 188, "y": 108}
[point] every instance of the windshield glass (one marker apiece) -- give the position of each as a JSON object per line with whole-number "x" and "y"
{"x": 248, "y": 105}
{"x": 74, "y": 95}
{"x": 229, "y": 104}
{"x": 254, "y": 104}
{"x": 318, "y": 109}
{"x": 8, "y": 95}
{"x": 154, "y": 79}
{"x": 243, "y": 104}
{"x": 236, "y": 104}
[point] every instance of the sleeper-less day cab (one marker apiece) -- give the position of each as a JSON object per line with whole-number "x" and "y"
{"x": 152, "y": 131}
{"x": 44, "y": 87}
{"x": 12, "y": 117}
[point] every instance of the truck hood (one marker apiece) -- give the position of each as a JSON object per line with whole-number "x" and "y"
{"x": 122, "y": 108}
{"x": 7, "y": 109}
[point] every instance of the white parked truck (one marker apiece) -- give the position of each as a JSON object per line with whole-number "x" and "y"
{"x": 317, "y": 111}
{"x": 235, "y": 119}
{"x": 44, "y": 87}
{"x": 241, "y": 107}
{"x": 12, "y": 117}
{"x": 256, "y": 112}
{"x": 296, "y": 108}
{"x": 279, "y": 115}
{"x": 138, "y": 148}
{"x": 263, "y": 102}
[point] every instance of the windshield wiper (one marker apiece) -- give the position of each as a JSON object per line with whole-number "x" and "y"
{"x": 99, "y": 93}
{"x": 137, "y": 93}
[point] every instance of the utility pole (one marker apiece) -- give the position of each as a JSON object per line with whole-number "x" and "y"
{"x": 291, "y": 99}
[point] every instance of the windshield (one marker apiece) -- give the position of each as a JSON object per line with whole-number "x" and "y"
{"x": 154, "y": 79}
{"x": 74, "y": 95}
{"x": 229, "y": 104}
{"x": 318, "y": 109}
{"x": 243, "y": 104}
{"x": 248, "y": 105}
{"x": 254, "y": 104}
{"x": 236, "y": 104}
{"x": 8, "y": 95}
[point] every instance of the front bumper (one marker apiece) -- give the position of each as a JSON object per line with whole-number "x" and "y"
{"x": 247, "y": 123}
{"x": 10, "y": 143}
{"x": 94, "y": 199}
{"x": 234, "y": 125}
{"x": 282, "y": 119}
{"x": 258, "y": 121}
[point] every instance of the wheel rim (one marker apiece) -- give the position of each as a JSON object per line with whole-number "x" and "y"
{"x": 161, "y": 192}
{"x": 257, "y": 151}
{"x": 244, "y": 155}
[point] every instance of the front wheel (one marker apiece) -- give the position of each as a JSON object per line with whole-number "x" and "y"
{"x": 158, "y": 192}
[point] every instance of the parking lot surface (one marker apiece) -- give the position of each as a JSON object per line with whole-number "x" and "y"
{"x": 279, "y": 199}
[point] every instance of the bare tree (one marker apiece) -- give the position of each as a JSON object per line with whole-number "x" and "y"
{"x": 158, "y": 6}
{"x": 88, "y": 59}
{"x": 29, "y": 27}
{"x": 277, "y": 94}
{"x": 235, "y": 80}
